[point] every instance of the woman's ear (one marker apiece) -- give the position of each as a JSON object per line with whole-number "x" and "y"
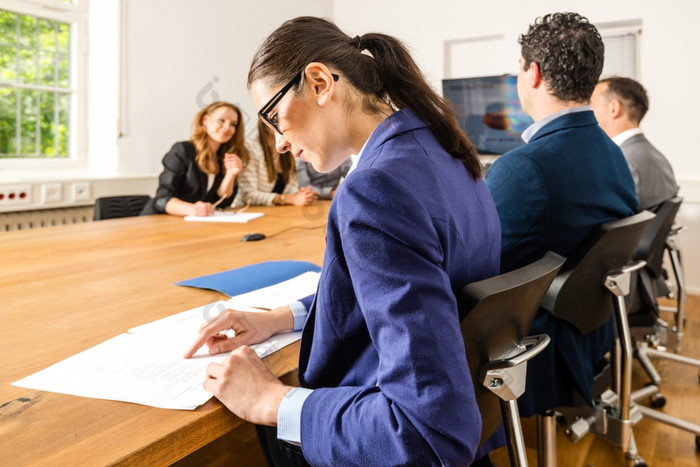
{"x": 319, "y": 79}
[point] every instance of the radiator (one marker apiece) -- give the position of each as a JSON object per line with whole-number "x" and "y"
{"x": 45, "y": 218}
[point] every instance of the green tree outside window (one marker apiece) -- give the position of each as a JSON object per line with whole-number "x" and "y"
{"x": 35, "y": 86}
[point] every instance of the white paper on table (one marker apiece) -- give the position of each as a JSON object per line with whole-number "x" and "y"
{"x": 226, "y": 216}
{"x": 146, "y": 365}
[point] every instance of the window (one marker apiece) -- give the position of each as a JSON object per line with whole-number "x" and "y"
{"x": 621, "y": 41}
{"x": 41, "y": 76}
{"x": 620, "y": 55}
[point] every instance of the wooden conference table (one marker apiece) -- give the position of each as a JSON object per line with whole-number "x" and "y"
{"x": 65, "y": 289}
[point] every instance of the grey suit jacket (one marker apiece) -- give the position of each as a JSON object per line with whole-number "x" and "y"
{"x": 652, "y": 173}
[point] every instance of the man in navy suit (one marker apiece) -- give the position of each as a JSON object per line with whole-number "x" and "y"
{"x": 551, "y": 192}
{"x": 619, "y": 105}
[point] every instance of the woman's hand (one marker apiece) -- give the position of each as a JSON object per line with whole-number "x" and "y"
{"x": 246, "y": 387}
{"x": 232, "y": 164}
{"x": 249, "y": 328}
{"x": 304, "y": 197}
{"x": 201, "y": 208}
{"x": 232, "y": 167}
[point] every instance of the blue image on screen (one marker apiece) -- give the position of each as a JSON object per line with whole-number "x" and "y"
{"x": 489, "y": 112}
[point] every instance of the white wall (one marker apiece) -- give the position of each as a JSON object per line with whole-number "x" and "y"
{"x": 179, "y": 56}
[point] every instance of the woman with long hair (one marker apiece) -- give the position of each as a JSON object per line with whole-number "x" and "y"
{"x": 271, "y": 177}
{"x": 382, "y": 363}
{"x": 201, "y": 173}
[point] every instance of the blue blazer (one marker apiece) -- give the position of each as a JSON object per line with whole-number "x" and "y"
{"x": 550, "y": 193}
{"x": 381, "y": 345}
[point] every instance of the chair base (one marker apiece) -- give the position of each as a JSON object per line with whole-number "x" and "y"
{"x": 644, "y": 354}
{"x": 602, "y": 420}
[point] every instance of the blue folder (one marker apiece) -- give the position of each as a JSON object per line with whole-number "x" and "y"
{"x": 255, "y": 276}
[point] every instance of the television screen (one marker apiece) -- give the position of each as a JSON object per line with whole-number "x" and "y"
{"x": 488, "y": 110}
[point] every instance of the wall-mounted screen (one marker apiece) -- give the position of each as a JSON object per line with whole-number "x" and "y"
{"x": 488, "y": 110}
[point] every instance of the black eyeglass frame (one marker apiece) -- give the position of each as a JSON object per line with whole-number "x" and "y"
{"x": 264, "y": 112}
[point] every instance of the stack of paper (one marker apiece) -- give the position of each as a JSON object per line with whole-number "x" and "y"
{"x": 145, "y": 364}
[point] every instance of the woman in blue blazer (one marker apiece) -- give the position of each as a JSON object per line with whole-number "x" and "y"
{"x": 382, "y": 365}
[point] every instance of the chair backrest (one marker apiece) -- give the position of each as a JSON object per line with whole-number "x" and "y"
{"x": 496, "y": 314}
{"x": 578, "y": 294}
{"x": 112, "y": 207}
{"x": 651, "y": 246}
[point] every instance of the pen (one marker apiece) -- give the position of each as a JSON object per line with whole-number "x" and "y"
{"x": 219, "y": 201}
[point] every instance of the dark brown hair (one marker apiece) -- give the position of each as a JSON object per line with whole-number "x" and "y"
{"x": 377, "y": 65}
{"x": 630, "y": 93}
{"x": 569, "y": 51}
{"x": 267, "y": 142}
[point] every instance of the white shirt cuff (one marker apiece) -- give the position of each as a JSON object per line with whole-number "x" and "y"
{"x": 299, "y": 312}
{"x": 289, "y": 415}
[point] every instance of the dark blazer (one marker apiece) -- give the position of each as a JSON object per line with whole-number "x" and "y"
{"x": 382, "y": 345}
{"x": 550, "y": 193}
{"x": 652, "y": 173}
{"x": 182, "y": 179}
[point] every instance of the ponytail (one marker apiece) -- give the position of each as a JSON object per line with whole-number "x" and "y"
{"x": 377, "y": 65}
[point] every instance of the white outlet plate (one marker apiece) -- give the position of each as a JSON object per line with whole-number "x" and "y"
{"x": 51, "y": 193}
{"x": 81, "y": 191}
{"x": 14, "y": 195}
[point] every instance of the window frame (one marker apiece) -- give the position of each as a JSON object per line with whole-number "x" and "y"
{"x": 76, "y": 15}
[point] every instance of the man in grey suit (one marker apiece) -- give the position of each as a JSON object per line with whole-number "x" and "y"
{"x": 619, "y": 105}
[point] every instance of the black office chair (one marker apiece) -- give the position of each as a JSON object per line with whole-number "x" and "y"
{"x": 496, "y": 316}
{"x": 591, "y": 287}
{"x": 652, "y": 335}
{"x": 112, "y": 207}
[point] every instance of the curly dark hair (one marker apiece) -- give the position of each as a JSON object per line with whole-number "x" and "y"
{"x": 569, "y": 51}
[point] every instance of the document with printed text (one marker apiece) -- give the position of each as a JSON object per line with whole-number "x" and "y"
{"x": 145, "y": 364}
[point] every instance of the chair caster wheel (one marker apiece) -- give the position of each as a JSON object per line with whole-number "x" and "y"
{"x": 658, "y": 401}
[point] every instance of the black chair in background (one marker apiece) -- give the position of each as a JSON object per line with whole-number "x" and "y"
{"x": 112, "y": 207}
{"x": 496, "y": 316}
{"x": 588, "y": 290}
{"x": 652, "y": 335}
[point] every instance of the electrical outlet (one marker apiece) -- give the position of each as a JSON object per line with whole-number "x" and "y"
{"x": 12, "y": 195}
{"x": 81, "y": 191}
{"x": 51, "y": 193}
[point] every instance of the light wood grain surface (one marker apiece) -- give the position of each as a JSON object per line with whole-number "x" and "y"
{"x": 65, "y": 289}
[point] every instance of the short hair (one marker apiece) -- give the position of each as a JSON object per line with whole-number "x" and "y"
{"x": 631, "y": 94}
{"x": 569, "y": 51}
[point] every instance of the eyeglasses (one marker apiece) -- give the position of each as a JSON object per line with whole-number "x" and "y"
{"x": 265, "y": 112}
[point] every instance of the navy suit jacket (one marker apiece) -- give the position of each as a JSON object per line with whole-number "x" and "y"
{"x": 382, "y": 345}
{"x": 550, "y": 193}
